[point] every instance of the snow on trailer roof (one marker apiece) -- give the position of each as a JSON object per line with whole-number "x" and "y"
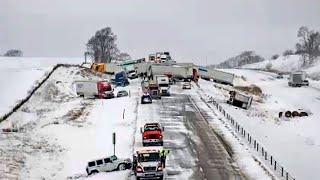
{"x": 93, "y": 80}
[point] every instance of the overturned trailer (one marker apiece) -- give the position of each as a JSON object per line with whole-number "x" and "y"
{"x": 240, "y": 100}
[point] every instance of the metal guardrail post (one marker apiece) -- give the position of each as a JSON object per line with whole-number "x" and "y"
{"x": 266, "y": 155}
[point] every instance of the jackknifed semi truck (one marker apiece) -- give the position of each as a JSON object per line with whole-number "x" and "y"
{"x": 216, "y": 75}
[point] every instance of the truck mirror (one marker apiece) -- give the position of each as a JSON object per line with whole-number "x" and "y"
{"x": 141, "y": 130}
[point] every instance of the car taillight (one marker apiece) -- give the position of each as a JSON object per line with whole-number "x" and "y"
{"x": 159, "y": 168}
{"x": 144, "y": 137}
{"x": 160, "y": 136}
{"x": 139, "y": 169}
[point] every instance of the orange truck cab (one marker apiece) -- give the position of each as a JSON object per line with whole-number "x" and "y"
{"x": 98, "y": 67}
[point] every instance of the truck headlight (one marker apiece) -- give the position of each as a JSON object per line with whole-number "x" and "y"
{"x": 159, "y": 168}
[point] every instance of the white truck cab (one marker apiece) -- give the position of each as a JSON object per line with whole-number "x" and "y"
{"x": 148, "y": 163}
{"x": 163, "y": 83}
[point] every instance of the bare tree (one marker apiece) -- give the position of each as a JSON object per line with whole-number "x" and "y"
{"x": 102, "y": 46}
{"x": 308, "y": 45}
{"x": 14, "y": 53}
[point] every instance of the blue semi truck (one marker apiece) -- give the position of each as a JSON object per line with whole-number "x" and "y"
{"x": 121, "y": 79}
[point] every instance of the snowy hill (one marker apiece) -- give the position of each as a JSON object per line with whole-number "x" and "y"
{"x": 246, "y": 57}
{"x": 288, "y": 64}
{"x": 19, "y": 74}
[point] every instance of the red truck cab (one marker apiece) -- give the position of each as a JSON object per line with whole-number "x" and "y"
{"x": 105, "y": 89}
{"x": 152, "y": 134}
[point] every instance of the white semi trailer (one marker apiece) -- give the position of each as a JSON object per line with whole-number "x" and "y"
{"x": 94, "y": 88}
{"x": 176, "y": 71}
{"x": 112, "y": 68}
{"x": 216, "y": 75}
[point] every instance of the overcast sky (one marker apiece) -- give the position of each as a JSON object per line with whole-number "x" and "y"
{"x": 200, "y": 31}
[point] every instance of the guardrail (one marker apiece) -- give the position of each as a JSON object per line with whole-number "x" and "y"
{"x": 253, "y": 143}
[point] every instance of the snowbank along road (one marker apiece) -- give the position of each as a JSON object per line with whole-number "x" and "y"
{"x": 60, "y": 132}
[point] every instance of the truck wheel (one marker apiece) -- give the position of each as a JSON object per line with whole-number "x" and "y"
{"x": 121, "y": 167}
{"x": 295, "y": 113}
{"x": 93, "y": 172}
{"x": 288, "y": 114}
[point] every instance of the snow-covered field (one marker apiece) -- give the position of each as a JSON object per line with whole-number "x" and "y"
{"x": 291, "y": 63}
{"x": 60, "y": 133}
{"x": 295, "y": 142}
{"x": 18, "y": 75}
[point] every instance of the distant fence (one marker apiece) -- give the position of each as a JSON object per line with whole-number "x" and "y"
{"x": 35, "y": 88}
{"x": 266, "y": 156}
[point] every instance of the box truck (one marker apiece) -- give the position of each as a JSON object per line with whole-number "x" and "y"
{"x": 94, "y": 89}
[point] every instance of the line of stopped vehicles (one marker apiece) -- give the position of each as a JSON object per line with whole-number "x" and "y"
{"x": 149, "y": 160}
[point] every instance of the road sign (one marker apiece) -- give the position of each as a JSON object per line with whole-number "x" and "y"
{"x": 114, "y": 143}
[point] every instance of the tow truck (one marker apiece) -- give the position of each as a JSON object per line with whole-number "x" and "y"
{"x": 147, "y": 163}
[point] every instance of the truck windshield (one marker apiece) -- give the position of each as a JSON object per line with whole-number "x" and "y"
{"x": 152, "y": 128}
{"x": 163, "y": 85}
{"x": 148, "y": 157}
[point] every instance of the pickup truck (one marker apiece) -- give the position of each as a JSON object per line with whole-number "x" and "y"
{"x": 152, "y": 134}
